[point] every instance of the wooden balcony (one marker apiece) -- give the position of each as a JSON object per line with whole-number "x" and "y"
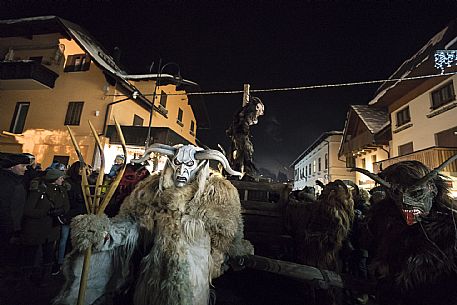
{"x": 25, "y": 75}
{"x": 431, "y": 157}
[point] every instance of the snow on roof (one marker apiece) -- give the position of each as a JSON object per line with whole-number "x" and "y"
{"x": 169, "y": 77}
{"x": 409, "y": 65}
{"x": 374, "y": 118}
{"x": 93, "y": 48}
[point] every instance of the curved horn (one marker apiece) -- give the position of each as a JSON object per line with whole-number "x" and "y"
{"x": 158, "y": 148}
{"x": 211, "y": 154}
{"x": 436, "y": 171}
{"x": 372, "y": 176}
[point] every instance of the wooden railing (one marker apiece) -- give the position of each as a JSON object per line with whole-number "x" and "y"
{"x": 431, "y": 157}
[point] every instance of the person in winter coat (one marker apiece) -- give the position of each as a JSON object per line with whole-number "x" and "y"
{"x": 77, "y": 207}
{"x": 12, "y": 200}
{"x": 42, "y": 220}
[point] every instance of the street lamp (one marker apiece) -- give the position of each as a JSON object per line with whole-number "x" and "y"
{"x": 177, "y": 77}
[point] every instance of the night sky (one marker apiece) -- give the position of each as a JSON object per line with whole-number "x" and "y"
{"x": 269, "y": 44}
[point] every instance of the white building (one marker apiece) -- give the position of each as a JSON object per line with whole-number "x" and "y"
{"x": 320, "y": 162}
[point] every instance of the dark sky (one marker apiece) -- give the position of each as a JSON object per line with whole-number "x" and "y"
{"x": 269, "y": 44}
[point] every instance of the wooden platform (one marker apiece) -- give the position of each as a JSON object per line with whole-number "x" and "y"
{"x": 263, "y": 207}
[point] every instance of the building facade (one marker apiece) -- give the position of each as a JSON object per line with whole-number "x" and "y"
{"x": 53, "y": 74}
{"x": 320, "y": 161}
{"x": 423, "y": 112}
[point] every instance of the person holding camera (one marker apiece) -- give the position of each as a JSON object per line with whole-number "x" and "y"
{"x": 43, "y": 217}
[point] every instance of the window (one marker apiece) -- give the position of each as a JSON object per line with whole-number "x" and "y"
{"x": 78, "y": 62}
{"x": 179, "y": 121}
{"x": 443, "y": 95}
{"x": 403, "y": 117}
{"x": 314, "y": 166}
{"x": 373, "y": 160}
{"x": 192, "y": 127}
{"x": 137, "y": 120}
{"x": 61, "y": 159}
{"x": 74, "y": 112}
{"x": 364, "y": 163}
{"x": 447, "y": 138}
{"x": 20, "y": 114}
{"x": 326, "y": 161}
{"x": 163, "y": 99}
{"x": 319, "y": 167}
{"x": 309, "y": 169}
{"x": 405, "y": 149}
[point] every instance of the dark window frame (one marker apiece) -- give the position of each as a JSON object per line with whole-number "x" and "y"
{"x": 403, "y": 117}
{"x": 179, "y": 119}
{"x": 326, "y": 161}
{"x": 163, "y": 99}
{"x": 74, "y": 113}
{"x": 442, "y": 95}
{"x": 319, "y": 164}
{"x": 77, "y": 63}
{"x": 16, "y": 116}
{"x": 137, "y": 120}
{"x": 405, "y": 149}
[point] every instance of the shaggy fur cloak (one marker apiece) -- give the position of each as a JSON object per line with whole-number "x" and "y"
{"x": 181, "y": 234}
{"x": 414, "y": 264}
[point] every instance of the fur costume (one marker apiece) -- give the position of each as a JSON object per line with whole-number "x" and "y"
{"x": 415, "y": 262}
{"x": 319, "y": 229}
{"x": 180, "y": 234}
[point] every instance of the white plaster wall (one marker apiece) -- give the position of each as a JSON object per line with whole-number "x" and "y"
{"x": 423, "y": 129}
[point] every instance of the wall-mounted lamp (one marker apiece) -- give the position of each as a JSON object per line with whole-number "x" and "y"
{"x": 97, "y": 112}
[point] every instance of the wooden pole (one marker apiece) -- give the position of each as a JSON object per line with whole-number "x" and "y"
{"x": 246, "y": 88}
{"x": 324, "y": 278}
{"x": 95, "y": 207}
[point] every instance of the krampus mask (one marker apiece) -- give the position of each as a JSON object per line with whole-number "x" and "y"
{"x": 187, "y": 161}
{"x": 411, "y": 185}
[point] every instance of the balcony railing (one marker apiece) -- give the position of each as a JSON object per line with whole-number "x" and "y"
{"x": 26, "y": 74}
{"x": 431, "y": 157}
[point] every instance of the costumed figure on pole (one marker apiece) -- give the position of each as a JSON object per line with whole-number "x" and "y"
{"x": 241, "y": 149}
{"x": 171, "y": 237}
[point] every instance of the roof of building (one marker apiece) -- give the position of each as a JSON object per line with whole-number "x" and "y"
{"x": 420, "y": 63}
{"x": 318, "y": 141}
{"x": 53, "y": 24}
{"x": 374, "y": 118}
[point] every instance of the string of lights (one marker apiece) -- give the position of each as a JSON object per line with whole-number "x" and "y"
{"x": 370, "y": 82}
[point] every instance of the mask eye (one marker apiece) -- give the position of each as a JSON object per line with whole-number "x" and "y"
{"x": 176, "y": 162}
{"x": 190, "y": 163}
{"x": 417, "y": 193}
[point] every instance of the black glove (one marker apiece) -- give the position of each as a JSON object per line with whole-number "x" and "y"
{"x": 56, "y": 212}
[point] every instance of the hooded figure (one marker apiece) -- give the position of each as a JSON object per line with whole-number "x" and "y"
{"x": 168, "y": 241}
{"x": 412, "y": 236}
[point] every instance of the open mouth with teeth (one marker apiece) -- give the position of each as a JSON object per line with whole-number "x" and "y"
{"x": 412, "y": 215}
{"x": 181, "y": 179}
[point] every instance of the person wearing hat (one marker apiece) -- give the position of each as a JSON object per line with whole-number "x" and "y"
{"x": 118, "y": 162}
{"x": 43, "y": 212}
{"x": 12, "y": 200}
